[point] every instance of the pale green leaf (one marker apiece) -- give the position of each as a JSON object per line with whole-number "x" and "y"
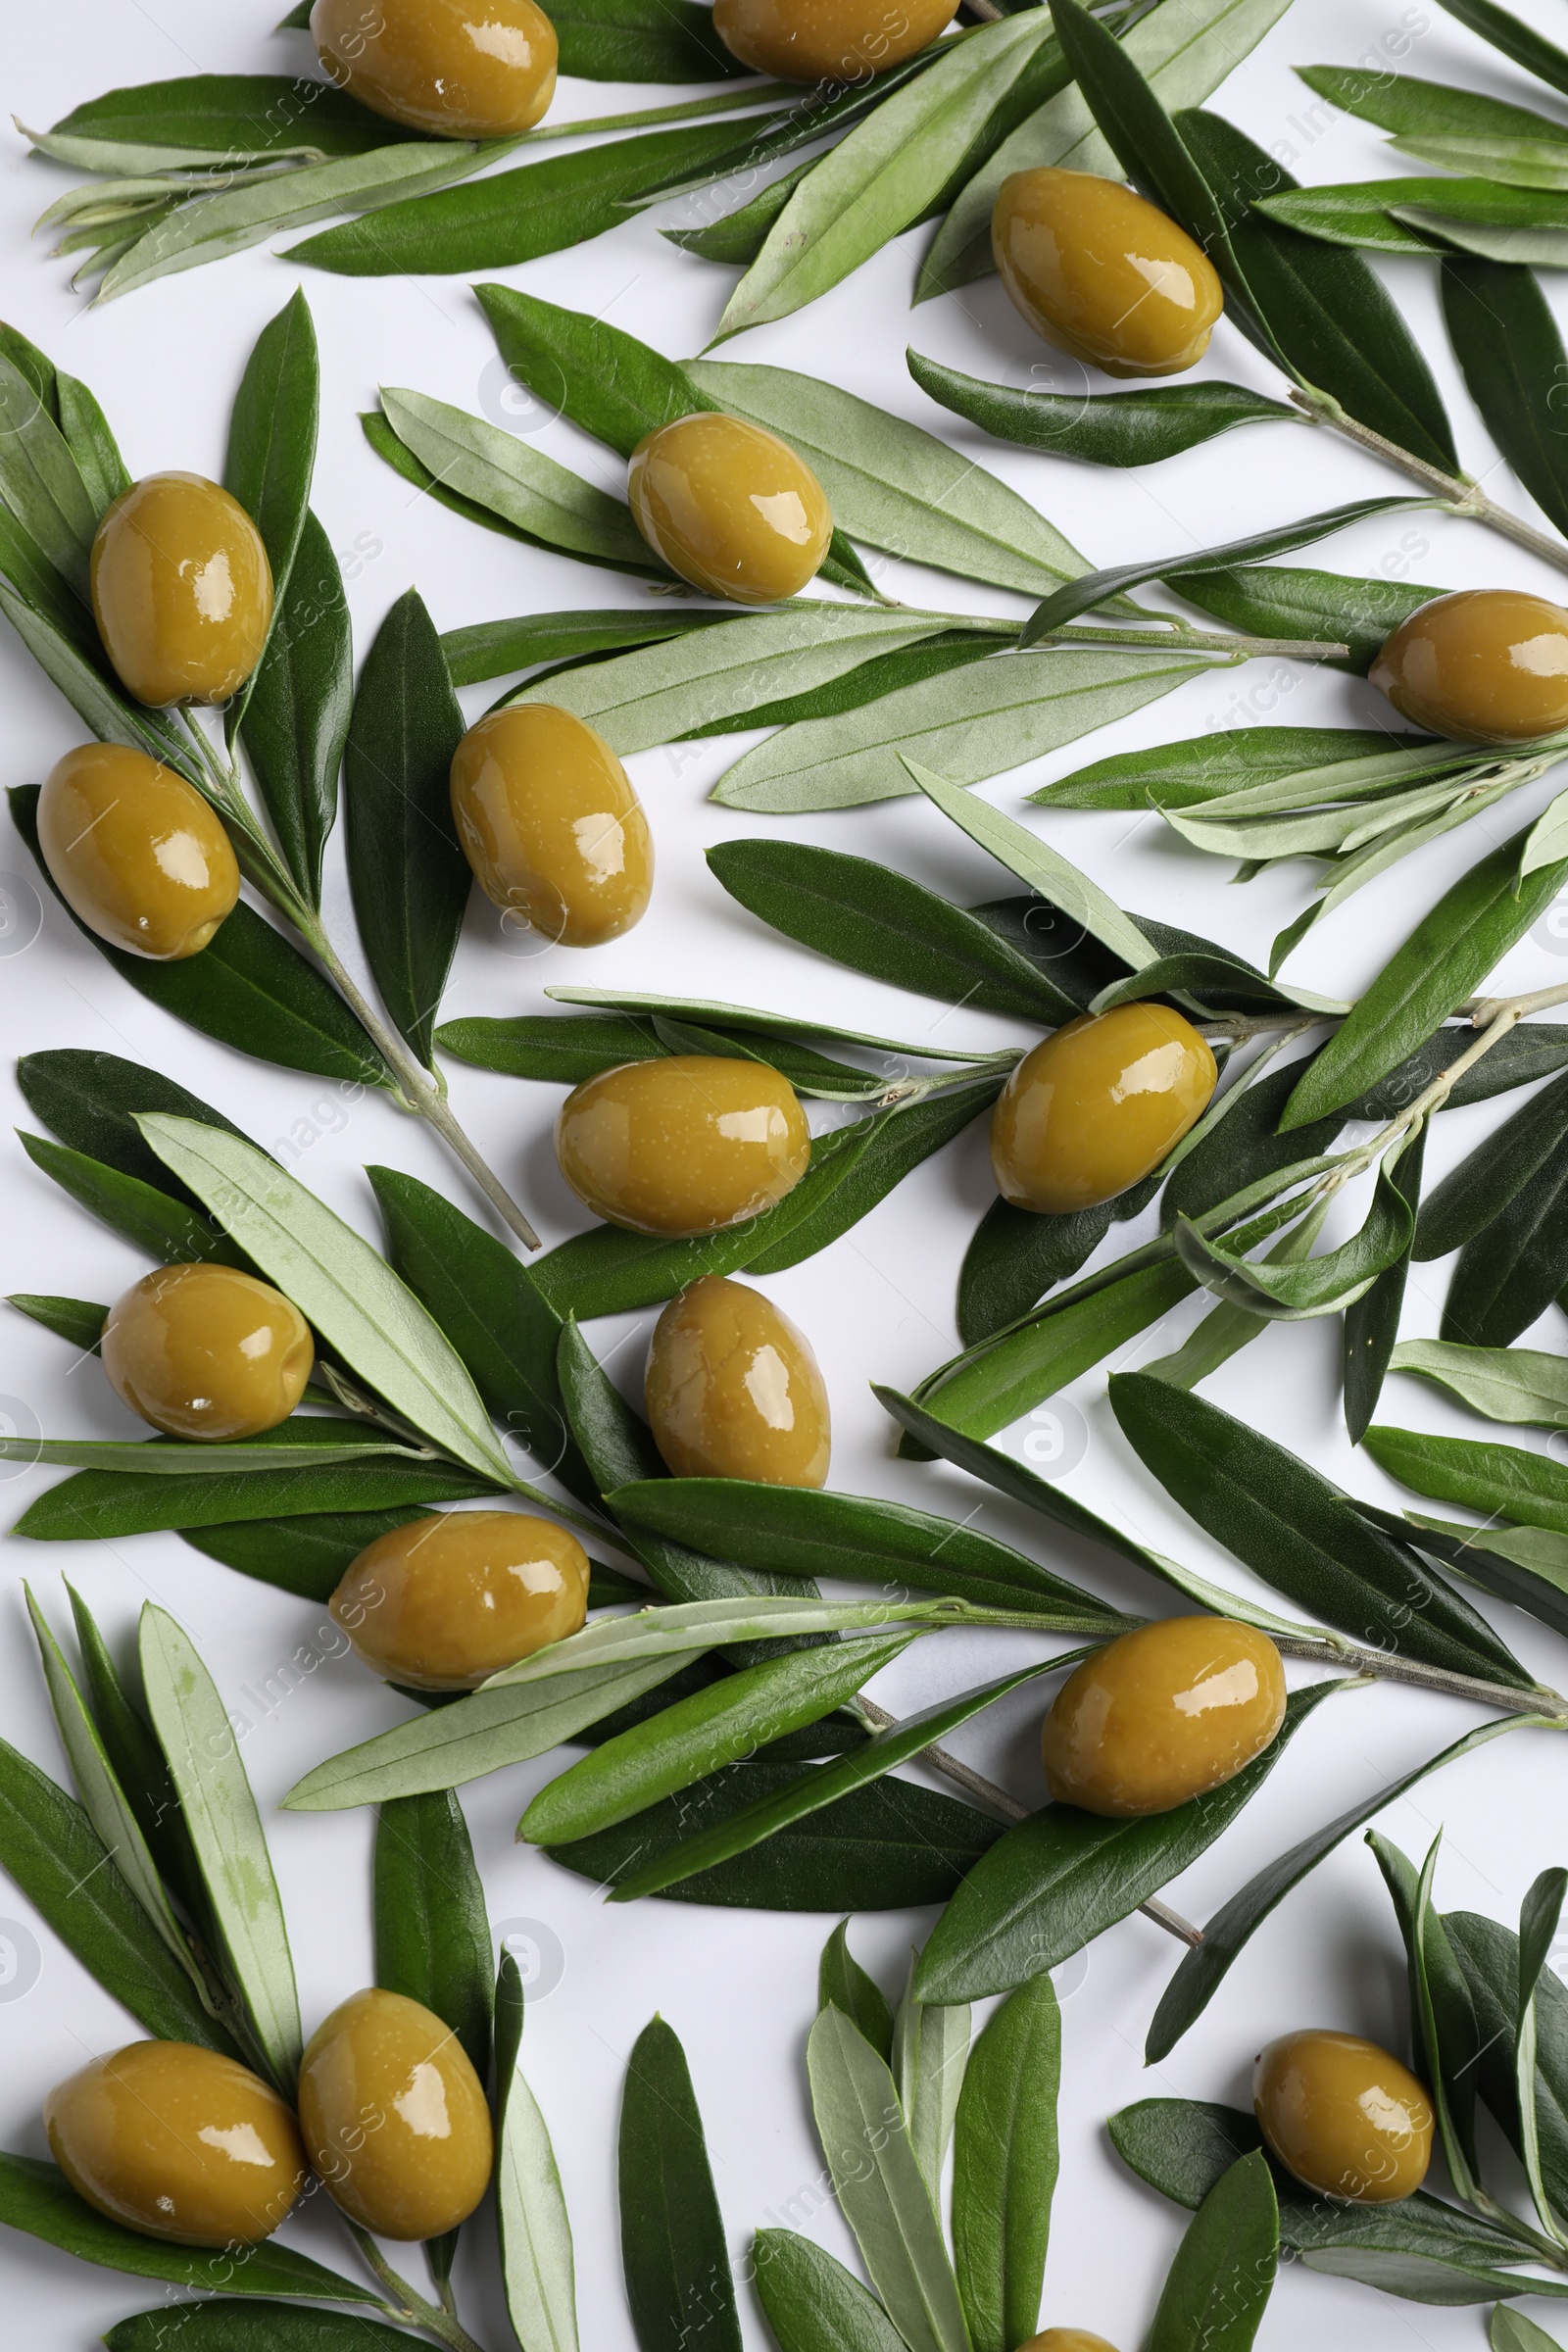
{"x": 1506, "y": 1383}
{"x": 508, "y": 475}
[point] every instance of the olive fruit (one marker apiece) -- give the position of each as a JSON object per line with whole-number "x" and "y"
{"x": 1067, "y": 2339}
{"x": 551, "y": 825}
{"x": 1100, "y": 273}
{"x": 828, "y": 40}
{"x": 1163, "y": 1714}
{"x": 136, "y": 852}
{"x": 177, "y": 2142}
{"x": 394, "y": 2117}
{"x": 457, "y": 69}
{"x": 683, "y": 1144}
{"x": 729, "y": 506}
{"x": 1343, "y": 2116}
{"x": 206, "y": 1352}
{"x": 181, "y": 590}
{"x": 1484, "y": 666}
{"x": 446, "y": 1602}
{"x": 1096, "y": 1107}
{"x": 734, "y": 1391}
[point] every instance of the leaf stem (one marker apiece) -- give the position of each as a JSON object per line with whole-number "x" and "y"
{"x": 1383, "y": 1666}
{"x": 413, "y": 2311}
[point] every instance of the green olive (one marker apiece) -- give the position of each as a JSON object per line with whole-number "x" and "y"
{"x": 1343, "y": 2116}
{"x": 828, "y": 40}
{"x": 734, "y": 1391}
{"x": 1484, "y": 666}
{"x": 731, "y": 507}
{"x": 551, "y": 825}
{"x": 1067, "y": 2339}
{"x": 1102, "y": 275}
{"x": 457, "y": 69}
{"x": 1161, "y": 1715}
{"x": 685, "y": 1144}
{"x": 1098, "y": 1106}
{"x": 206, "y": 1352}
{"x": 445, "y": 1602}
{"x": 136, "y": 852}
{"x": 177, "y": 2142}
{"x": 394, "y": 2116}
{"x": 181, "y": 589}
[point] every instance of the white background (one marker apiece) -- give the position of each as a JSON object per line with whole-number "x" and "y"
{"x": 740, "y": 1986}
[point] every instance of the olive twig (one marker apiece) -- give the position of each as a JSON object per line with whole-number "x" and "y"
{"x": 413, "y": 2311}
{"x": 1386, "y": 1666}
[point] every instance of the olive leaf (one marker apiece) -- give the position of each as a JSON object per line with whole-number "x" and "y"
{"x": 1015, "y": 1257}
{"x": 271, "y": 450}
{"x": 210, "y": 118}
{"x": 929, "y": 2059}
{"x": 842, "y": 1983}
{"x": 1200, "y": 1973}
{"x": 1055, "y": 1881}
{"x": 1510, "y": 1271}
{"x": 150, "y": 1220}
{"x": 1506, "y": 1383}
{"x": 1446, "y": 957}
{"x": 490, "y": 649}
{"x": 1004, "y": 2164}
{"x": 97, "y": 1505}
{"x": 1484, "y": 216}
{"x": 219, "y": 1810}
{"x": 532, "y": 2226}
{"x": 678, "y": 2279}
{"x": 814, "y": 2303}
{"x": 1483, "y": 1183}
{"x": 169, "y": 1458}
{"x": 1292, "y": 1290}
{"x": 1110, "y": 429}
{"x": 89, "y": 1100}
{"x": 220, "y": 2326}
{"x": 77, "y": 1321}
{"x": 880, "y": 2186}
{"x": 1511, "y": 2332}
{"x": 1525, "y": 1055}
{"x": 348, "y": 1293}
{"x": 1518, "y": 42}
{"x": 1483, "y": 1476}
{"x": 1219, "y": 2284}
{"x": 746, "y": 1019}
{"x": 1507, "y": 344}
{"x": 296, "y": 720}
{"x": 1490, "y": 1958}
{"x": 1283, "y": 599}
{"x": 41, "y": 480}
{"x": 1372, "y": 1321}
{"x": 433, "y": 1932}
{"x": 1444, "y": 2030}
{"x": 64, "y": 644}
{"x": 638, "y": 41}
{"x": 81, "y": 419}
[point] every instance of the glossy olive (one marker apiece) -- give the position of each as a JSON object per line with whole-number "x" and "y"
{"x": 1486, "y": 665}
{"x": 682, "y": 1146}
{"x": 1067, "y": 2339}
{"x": 1163, "y": 1714}
{"x": 394, "y": 2116}
{"x": 177, "y": 2142}
{"x": 729, "y": 506}
{"x": 734, "y": 1391}
{"x": 136, "y": 852}
{"x": 181, "y": 589}
{"x": 551, "y": 825}
{"x": 828, "y": 40}
{"x": 1343, "y": 2116}
{"x": 206, "y": 1352}
{"x": 444, "y": 1603}
{"x": 457, "y": 69}
{"x": 1102, "y": 275}
{"x": 1096, "y": 1107}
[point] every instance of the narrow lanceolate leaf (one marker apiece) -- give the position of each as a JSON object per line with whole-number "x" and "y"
{"x": 37, "y": 2198}
{"x": 1108, "y": 429}
{"x": 1482, "y": 1186}
{"x": 79, "y": 1322}
{"x": 296, "y": 721}
{"x": 1015, "y": 1257}
{"x": 1442, "y": 2013}
{"x": 1285, "y": 1286}
{"x": 490, "y": 649}
{"x": 1512, "y": 1270}
{"x": 672, "y": 2245}
{"x": 1531, "y": 1487}
{"x": 42, "y": 481}
{"x": 433, "y": 1932}
{"x": 54, "y": 1854}
{"x": 271, "y": 447}
{"x": 217, "y": 2326}
{"x": 1004, "y": 2160}
{"x": 638, "y": 41}
{"x": 842, "y": 1983}
{"x": 1506, "y": 342}
{"x": 139, "y": 1763}
{"x": 1506, "y": 1383}
{"x": 410, "y": 878}
{"x": 893, "y": 486}
{"x": 1519, "y": 41}
{"x": 215, "y": 1796}
{"x": 1444, "y": 960}
{"x": 929, "y": 2059}
{"x": 1488, "y": 1957}
{"x": 150, "y": 1220}
{"x": 1223, "y": 2275}
{"x": 1210, "y": 768}
{"x": 1053, "y": 1883}
{"x": 1199, "y": 1976}
{"x": 592, "y": 372}
{"x": 1524, "y": 1565}
{"x": 537, "y": 2265}
{"x": 813, "y": 2304}
{"x": 1301, "y": 1535}
{"x": 349, "y": 1292}
{"x": 884, "y": 2198}
{"x": 1372, "y": 1321}
{"x": 98, "y": 1505}
{"x": 212, "y": 118}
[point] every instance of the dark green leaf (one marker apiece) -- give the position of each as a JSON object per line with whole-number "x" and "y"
{"x": 886, "y": 1847}
{"x": 594, "y": 374}
{"x": 249, "y": 989}
{"x": 1187, "y": 774}
{"x": 1403, "y": 216}
{"x": 1061, "y": 1877}
{"x": 672, "y": 2245}
{"x": 1506, "y": 342}
{"x": 1223, "y": 2275}
{"x": 89, "y": 1100}
{"x": 842, "y": 1983}
{"x": 492, "y": 648}
{"x": 639, "y": 40}
{"x": 1518, "y": 42}
{"x": 1524, "y": 1565}
{"x": 297, "y": 720}
{"x": 1467, "y": 1200}
{"x": 139, "y": 1765}
{"x": 1444, "y": 960}
{"x": 1489, "y": 1955}
{"x": 149, "y": 1219}
{"x": 880, "y": 923}
{"x": 1201, "y": 1971}
{"x": 802, "y": 1531}
{"x": 562, "y": 1049}
{"x": 1242, "y": 1149}
{"x": 220, "y": 2327}
{"x": 513, "y": 216}
{"x": 409, "y": 876}
{"x": 1015, "y": 1257}
{"x": 56, "y": 1857}
{"x": 271, "y": 445}
{"x": 813, "y": 2304}
{"x": 77, "y": 1321}
{"x": 307, "y": 1556}
{"x": 1004, "y": 2159}
{"x": 1530, "y": 1488}
{"x": 1115, "y": 429}
{"x": 1512, "y": 1270}
{"x": 1529, "y": 1053}
{"x": 225, "y": 115}
{"x": 1444, "y": 2032}
{"x": 432, "y": 1930}
{"x": 883, "y": 674}
{"x": 1300, "y": 1533}
{"x": 1372, "y": 1321}
{"x": 739, "y": 236}
{"x": 1399, "y": 102}
{"x": 1283, "y": 599}
{"x": 81, "y": 419}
